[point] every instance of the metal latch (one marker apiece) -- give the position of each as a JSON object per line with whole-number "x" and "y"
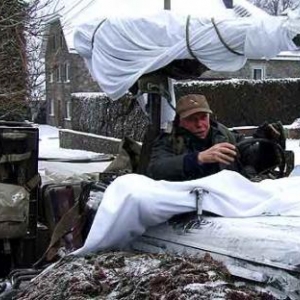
{"x": 199, "y": 192}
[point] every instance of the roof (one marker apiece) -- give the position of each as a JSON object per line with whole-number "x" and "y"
{"x": 288, "y": 55}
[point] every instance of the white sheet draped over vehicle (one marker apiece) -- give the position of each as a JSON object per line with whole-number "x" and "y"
{"x": 120, "y": 50}
{"x": 133, "y": 203}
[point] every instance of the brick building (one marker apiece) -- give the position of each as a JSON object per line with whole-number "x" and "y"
{"x": 66, "y": 73}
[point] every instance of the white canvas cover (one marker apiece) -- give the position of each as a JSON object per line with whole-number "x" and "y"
{"x": 119, "y": 50}
{"x": 133, "y": 203}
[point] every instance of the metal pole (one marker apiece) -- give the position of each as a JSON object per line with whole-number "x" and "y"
{"x": 228, "y": 3}
{"x": 153, "y": 130}
{"x": 167, "y": 4}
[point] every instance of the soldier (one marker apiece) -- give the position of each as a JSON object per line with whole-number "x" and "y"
{"x": 199, "y": 146}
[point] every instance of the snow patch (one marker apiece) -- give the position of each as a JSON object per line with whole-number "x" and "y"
{"x": 234, "y": 82}
{"x": 91, "y": 135}
{"x": 294, "y": 125}
{"x": 92, "y": 95}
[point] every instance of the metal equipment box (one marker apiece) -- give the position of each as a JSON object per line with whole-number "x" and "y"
{"x": 19, "y": 167}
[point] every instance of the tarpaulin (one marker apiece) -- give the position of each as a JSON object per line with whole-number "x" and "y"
{"x": 132, "y": 203}
{"x": 118, "y": 51}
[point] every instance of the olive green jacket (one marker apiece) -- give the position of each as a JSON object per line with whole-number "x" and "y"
{"x": 174, "y": 156}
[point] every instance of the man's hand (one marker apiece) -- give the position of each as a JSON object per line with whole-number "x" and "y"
{"x": 220, "y": 153}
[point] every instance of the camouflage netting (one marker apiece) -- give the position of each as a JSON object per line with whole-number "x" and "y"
{"x": 235, "y": 103}
{"x": 102, "y": 116}
{"x": 130, "y": 276}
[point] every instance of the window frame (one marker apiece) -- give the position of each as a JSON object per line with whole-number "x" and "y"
{"x": 68, "y": 110}
{"x": 52, "y": 108}
{"x": 58, "y": 73}
{"x": 51, "y": 76}
{"x": 53, "y": 42}
{"x": 256, "y": 68}
{"x": 61, "y": 40}
{"x": 67, "y": 70}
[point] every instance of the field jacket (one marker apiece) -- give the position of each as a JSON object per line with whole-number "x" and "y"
{"x": 174, "y": 156}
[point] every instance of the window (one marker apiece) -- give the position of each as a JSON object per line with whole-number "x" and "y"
{"x": 258, "y": 73}
{"x": 65, "y": 72}
{"x": 68, "y": 110}
{"x": 52, "y": 110}
{"x": 51, "y": 77}
{"x": 53, "y": 43}
{"x": 61, "y": 40}
{"x": 58, "y": 73}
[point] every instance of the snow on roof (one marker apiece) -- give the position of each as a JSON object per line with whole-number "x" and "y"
{"x": 288, "y": 55}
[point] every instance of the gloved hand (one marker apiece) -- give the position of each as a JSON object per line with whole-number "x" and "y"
{"x": 273, "y": 132}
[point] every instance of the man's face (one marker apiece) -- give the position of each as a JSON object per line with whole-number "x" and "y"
{"x": 197, "y": 123}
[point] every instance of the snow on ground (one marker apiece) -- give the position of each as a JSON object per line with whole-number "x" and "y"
{"x": 294, "y": 145}
{"x": 49, "y": 148}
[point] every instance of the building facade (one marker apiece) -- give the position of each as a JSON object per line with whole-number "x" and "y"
{"x": 285, "y": 65}
{"x": 66, "y": 73}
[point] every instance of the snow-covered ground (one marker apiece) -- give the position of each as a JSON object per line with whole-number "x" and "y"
{"x": 294, "y": 145}
{"x": 49, "y": 148}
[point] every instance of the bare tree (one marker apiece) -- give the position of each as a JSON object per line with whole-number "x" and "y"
{"x": 21, "y": 71}
{"x": 13, "y": 75}
{"x": 273, "y": 7}
{"x": 35, "y": 33}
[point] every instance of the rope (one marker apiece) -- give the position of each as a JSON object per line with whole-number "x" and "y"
{"x": 94, "y": 33}
{"x": 222, "y": 40}
{"x": 187, "y": 37}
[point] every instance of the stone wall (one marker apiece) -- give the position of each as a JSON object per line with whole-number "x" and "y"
{"x": 90, "y": 142}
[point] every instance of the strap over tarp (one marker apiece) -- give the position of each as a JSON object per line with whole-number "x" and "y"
{"x": 121, "y": 50}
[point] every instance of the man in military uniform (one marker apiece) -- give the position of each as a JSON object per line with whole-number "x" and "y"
{"x": 199, "y": 146}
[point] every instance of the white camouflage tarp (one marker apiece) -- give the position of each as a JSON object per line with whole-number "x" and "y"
{"x": 118, "y": 51}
